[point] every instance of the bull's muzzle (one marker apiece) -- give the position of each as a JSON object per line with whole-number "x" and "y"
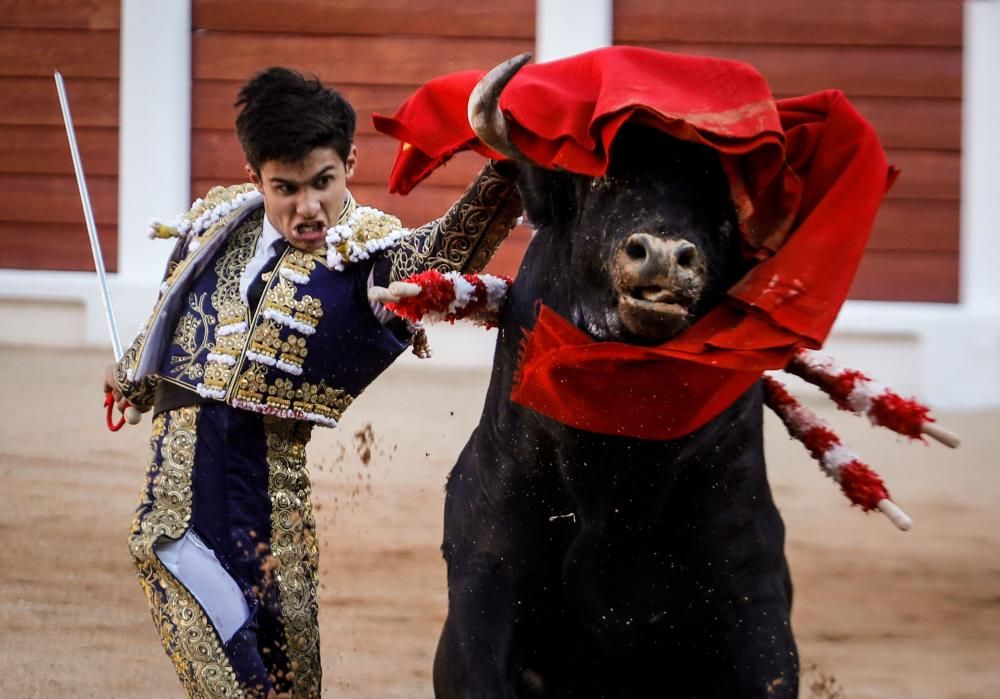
{"x": 658, "y": 280}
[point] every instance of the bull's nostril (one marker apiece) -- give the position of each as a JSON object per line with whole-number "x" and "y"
{"x": 635, "y": 250}
{"x": 685, "y": 255}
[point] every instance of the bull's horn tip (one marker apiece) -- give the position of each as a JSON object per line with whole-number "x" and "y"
{"x": 483, "y": 108}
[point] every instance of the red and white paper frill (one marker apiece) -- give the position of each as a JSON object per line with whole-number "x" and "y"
{"x": 453, "y": 296}
{"x": 853, "y": 391}
{"x": 862, "y": 486}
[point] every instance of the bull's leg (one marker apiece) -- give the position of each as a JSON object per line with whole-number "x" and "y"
{"x": 751, "y": 652}
{"x": 474, "y": 652}
{"x": 763, "y": 655}
{"x": 496, "y": 581}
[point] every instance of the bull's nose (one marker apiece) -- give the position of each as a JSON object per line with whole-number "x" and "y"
{"x": 657, "y": 281}
{"x": 643, "y": 251}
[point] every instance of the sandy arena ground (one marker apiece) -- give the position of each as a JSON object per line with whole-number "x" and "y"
{"x": 878, "y": 613}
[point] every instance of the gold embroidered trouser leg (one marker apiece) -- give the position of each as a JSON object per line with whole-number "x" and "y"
{"x": 165, "y": 511}
{"x": 243, "y": 486}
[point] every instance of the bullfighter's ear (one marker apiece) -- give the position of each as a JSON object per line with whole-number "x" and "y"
{"x": 253, "y": 175}
{"x": 351, "y": 162}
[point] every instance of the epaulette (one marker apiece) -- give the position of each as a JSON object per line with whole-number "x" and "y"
{"x": 206, "y": 212}
{"x": 366, "y": 231}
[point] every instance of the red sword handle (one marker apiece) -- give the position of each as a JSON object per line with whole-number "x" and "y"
{"x": 109, "y": 403}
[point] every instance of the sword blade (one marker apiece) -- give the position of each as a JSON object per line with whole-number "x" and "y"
{"x": 88, "y": 215}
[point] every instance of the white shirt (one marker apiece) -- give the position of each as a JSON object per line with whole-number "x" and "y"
{"x": 262, "y": 254}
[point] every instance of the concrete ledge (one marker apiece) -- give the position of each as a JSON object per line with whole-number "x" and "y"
{"x": 944, "y": 354}
{"x": 34, "y": 297}
{"x": 52, "y": 322}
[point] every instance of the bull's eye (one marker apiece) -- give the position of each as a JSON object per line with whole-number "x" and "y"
{"x": 635, "y": 250}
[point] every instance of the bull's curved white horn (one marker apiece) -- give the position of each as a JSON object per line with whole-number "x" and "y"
{"x": 485, "y": 117}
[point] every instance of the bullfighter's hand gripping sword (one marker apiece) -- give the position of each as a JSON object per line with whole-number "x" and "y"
{"x": 130, "y": 413}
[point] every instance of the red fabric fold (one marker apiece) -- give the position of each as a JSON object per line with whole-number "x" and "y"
{"x": 806, "y": 177}
{"x": 565, "y": 114}
{"x": 614, "y": 388}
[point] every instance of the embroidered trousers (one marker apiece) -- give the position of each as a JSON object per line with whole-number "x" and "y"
{"x": 238, "y": 481}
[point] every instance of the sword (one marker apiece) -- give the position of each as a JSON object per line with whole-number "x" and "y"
{"x": 131, "y": 415}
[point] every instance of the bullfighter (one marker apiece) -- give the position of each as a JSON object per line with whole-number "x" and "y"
{"x": 263, "y": 329}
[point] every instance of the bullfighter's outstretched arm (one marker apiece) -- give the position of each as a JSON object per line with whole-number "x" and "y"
{"x": 465, "y": 238}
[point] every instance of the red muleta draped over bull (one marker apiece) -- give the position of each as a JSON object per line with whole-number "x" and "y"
{"x": 806, "y": 178}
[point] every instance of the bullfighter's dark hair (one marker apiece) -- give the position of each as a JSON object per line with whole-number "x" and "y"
{"x": 284, "y": 115}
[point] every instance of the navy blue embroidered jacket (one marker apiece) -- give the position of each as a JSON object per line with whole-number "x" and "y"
{"x": 313, "y": 343}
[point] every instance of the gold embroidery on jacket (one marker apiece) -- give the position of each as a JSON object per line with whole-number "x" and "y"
{"x": 239, "y": 249}
{"x": 229, "y": 305}
{"x": 280, "y": 339}
{"x": 251, "y": 385}
{"x": 188, "y": 636}
{"x": 142, "y": 393}
{"x": 186, "y": 338}
{"x": 266, "y": 339}
{"x": 315, "y": 402}
{"x": 466, "y": 237}
{"x": 294, "y": 546}
{"x": 197, "y": 239}
{"x": 280, "y": 297}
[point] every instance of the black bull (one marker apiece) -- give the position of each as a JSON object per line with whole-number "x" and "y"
{"x": 587, "y": 565}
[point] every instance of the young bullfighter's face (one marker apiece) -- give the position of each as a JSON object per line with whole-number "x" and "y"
{"x": 304, "y": 198}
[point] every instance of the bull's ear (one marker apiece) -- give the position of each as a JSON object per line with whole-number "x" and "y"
{"x": 549, "y": 197}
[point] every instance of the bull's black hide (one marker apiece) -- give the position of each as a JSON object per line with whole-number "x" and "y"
{"x": 586, "y": 565}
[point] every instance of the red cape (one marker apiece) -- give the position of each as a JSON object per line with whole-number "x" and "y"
{"x": 806, "y": 176}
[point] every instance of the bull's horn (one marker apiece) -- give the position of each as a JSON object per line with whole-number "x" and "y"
{"x": 484, "y": 107}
